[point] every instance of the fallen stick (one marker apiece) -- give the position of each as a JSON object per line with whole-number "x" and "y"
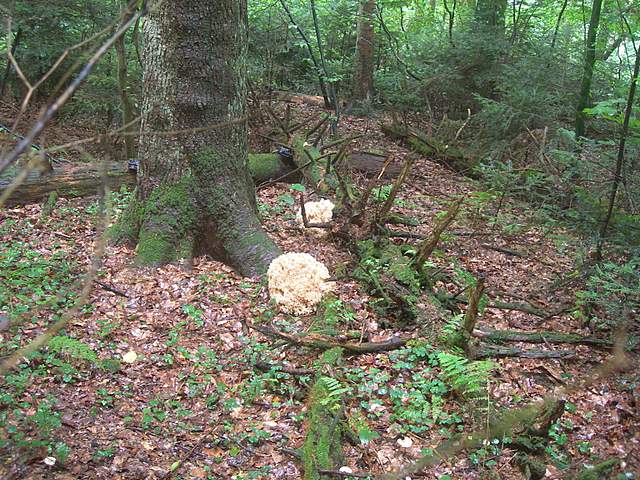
{"x": 521, "y": 307}
{"x": 506, "y": 251}
{"x": 539, "y": 337}
{"x": 111, "y": 289}
{"x": 505, "y": 352}
{"x": 324, "y": 342}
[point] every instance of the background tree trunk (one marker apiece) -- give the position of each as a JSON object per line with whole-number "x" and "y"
{"x": 589, "y": 61}
{"x": 195, "y": 195}
{"x": 364, "y": 61}
{"x": 125, "y": 100}
{"x": 491, "y": 13}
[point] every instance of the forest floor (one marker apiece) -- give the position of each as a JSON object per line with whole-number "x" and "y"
{"x": 193, "y": 394}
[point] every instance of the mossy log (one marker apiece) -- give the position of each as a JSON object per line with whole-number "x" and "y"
{"x": 84, "y": 179}
{"x": 601, "y": 470}
{"x": 70, "y": 181}
{"x": 322, "y": 448}
{"x": 506, "y": 336}
{"x": 485, "y": 351}
{"x": 449, "y": 155}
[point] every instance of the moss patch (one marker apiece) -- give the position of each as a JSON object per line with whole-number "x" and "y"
{"x": 168, "y": 219}
{"x": 127, "y": 228}
{"x": 322, "y": 449}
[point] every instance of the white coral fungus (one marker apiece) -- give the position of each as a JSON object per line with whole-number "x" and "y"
{"x": 317, "y": 212}
{"x": 297, "y": 282}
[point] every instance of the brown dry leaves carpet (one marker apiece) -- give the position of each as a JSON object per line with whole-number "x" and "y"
{"x": 192, "y": 393}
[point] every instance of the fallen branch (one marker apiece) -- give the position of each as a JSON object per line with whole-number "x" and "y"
{"x": 505, "y": 352}
{"x": 427, "y": 247}
{"x": 324, "y": 342}
{"x": 503, "y": 250}
{"x": 111, "y": 289}
{"x": 296, "y": 372}
{"x": 505, "y": 336}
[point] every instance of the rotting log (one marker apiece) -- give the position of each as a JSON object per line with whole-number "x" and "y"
{"x": 84, "y": 179}
{"x": 371, "y": 164}
{"x": 506, "y": 352}
{"x": 76, "y": 181}
{"x": 506, "y": 336}
{"x": 324, "y": 342}
{"x": 448, "y": 155}
{"x": 299, "y": 98}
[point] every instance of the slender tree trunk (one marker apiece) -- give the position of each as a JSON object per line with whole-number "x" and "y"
{"x": 318, "y": 67}
{"x": 451, "y": 13}
{"x": 589, "y": 61}
{"x": 125, "y": 101}
{"x": 558, "y": 23}
{"x": 617, "y": 179}
{"x": 491, "y": 13}
{"x": 365, "y": 49}
{"x": 7, "y": 71}
{"x": 195, "y": 195}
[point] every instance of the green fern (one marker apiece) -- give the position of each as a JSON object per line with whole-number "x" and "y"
{"x": 470, "y": 379}
{"x": 334, "y": 387}
{"x": 73, "y": 348}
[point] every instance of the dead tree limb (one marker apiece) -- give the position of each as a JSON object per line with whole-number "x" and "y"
{"x": 324, "y": 342}
{"x": 427, "y": 247}
{"x": 505, "y": 352}
{"x": 386, "y": 207}
{"x": 506, "y": 336}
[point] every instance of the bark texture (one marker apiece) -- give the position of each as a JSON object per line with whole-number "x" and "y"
{"x": 195, "y": 193}
{"x": 123, "y": 92}
{"x": 364, "y": 61}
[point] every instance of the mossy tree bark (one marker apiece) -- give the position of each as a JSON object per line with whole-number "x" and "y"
{"x": 195, "y": 194}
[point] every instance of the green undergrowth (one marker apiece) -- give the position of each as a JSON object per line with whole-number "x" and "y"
{"x": 30, "y": 278}
{"x": 387, "y": 271}
{"x": 64, "y": 360}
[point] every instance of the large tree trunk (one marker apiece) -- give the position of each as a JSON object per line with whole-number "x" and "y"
{"x": 195, "y": 194}
{"x": 364, "y": 61}
{"x": 589, "y": 61}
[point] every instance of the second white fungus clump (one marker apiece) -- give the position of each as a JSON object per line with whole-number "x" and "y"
{"x": 297, "y": 282}
{"x": 317, "y": 212}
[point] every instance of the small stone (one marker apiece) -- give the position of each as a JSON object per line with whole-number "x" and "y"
{"x": 130, "y": 357}
{"x": 51, "y": 461}
{"x": 405, "y": 442}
